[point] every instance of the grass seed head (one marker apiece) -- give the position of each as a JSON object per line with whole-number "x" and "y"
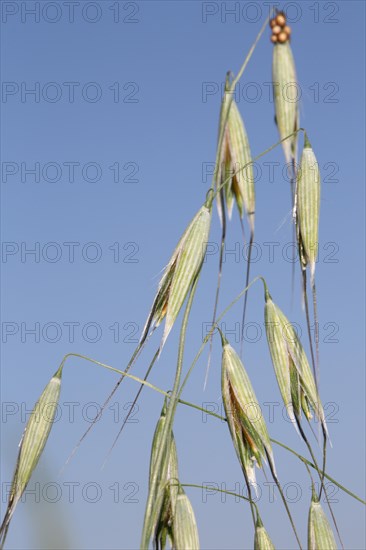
{"x": 235, "y": 154}
{"x": 308, "y": 204}
{"x": 320, "y": 534}
{"x": 294, "y": 376}
{"x": 185, "y": 530}
{"x": 246, "y": 423}
{"x": 162, "y": 515}
{"x": 285, "y": 92}
{"x": 180, "y": 273}
{"x": 32, "y": 444}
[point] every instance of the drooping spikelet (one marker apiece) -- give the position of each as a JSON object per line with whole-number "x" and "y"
{"x": 291, "y": 366}
{"x": 320, "y": 534}
{"x": 308, "y": 205}
{"x": 162, "y": 513}
{"x": 245, "y": 420}
{"x": 235, "y": 161}
{"x": 31, "y": 445}
{"x": 285, "y": 88}
{"x": 180, "y": 273}
{"x": 185, "y": 531}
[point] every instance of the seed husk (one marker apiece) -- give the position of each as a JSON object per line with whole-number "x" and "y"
{"x": 286, "y": 108}
{"x": 235, "y": 154}
{"x": 185, "y": 531}
{"x": 261, "y": 537}
{"x": 247, "y": 427}
{"x": 161, "y": 516}
{"x": 31, "y": 446}
{"x": 320, "y": 534}
{"x": 308, "y": 205}
{"x": 291, "y": 366}
{"x": 179, "y": 274}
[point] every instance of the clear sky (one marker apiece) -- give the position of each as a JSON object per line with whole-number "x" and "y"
{"x": 120, "y": 132}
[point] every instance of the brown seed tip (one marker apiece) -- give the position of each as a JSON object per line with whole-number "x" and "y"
{"x": 287, "y": 30}
{"x": 276, "y": 29}
{"x": 274, "y": 38}
{"x": 282, "y": 37}
{"x": 281, "y": 20}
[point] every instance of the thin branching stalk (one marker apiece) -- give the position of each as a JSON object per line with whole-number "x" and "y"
{"x": 167, "y": 429}
{"x": 156, "y": 355}
{"x": 133, "y": 359}
{"x": 320, "y": 474}
{"x": 275, "y": 478}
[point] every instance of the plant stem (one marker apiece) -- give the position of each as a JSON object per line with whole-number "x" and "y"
{"x": 155, "y": 483}
{"x": 207, "y": 487}
{"x": 222, "y": 247}
{"x": 321, "y": 476}
{"x": 274, "y": 475}
{"x": 210, "y": 413}
{"x": 132, "y": 405}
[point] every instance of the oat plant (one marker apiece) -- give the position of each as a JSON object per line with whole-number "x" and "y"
{"x": 169, "y": 518}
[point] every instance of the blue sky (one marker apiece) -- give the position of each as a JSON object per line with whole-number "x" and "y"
{"x": 103, "y": 165}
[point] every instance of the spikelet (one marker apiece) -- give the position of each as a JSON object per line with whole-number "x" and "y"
{"x": 291, "y": 366}
{"x": 261, "y": 537}
{"x": 234, "y": 155}
{"x": 285, "y": 100}
{"x": 161, "y": 516}
{"x": 185, "y": 530}
{"x": 32, "y": 444}
{"x": 180, "y": 273}
{"x": 320, "y": 534}
{"x": 245, "y": 420}
{"x": 308, "y": 205}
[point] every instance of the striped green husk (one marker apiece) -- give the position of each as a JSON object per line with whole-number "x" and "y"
{"x": 292, "y": 369}
{"x": 234, "y": 155}
{"x": 320, "y": 534}
{"x": 32, "y": 444}
{"x": 245, "y": 420}
{"x": 308, "y": 205}
{"x": 286, "y": 109}
{"x": 261, "y": 537}
{"x": 161, "y": 515}
{"x": 185, "y": 530}
{"x": 180, "y": 273}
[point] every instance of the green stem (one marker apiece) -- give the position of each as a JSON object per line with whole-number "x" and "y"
{"x": 321, "y": 476}
{"x": 251, "y": 241}
{"x": 222, "y": 247}
{"x": 306, "y": 461}
{"x": 155, "y": 483}
{"x": 276, "y": 480}
{"x": 213, "y": 414}
{"x": 250, "y": 53}
{"x": 133, "y": 404}
{"x": 207, "y": 487}
{"x": 206, "y": 339}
